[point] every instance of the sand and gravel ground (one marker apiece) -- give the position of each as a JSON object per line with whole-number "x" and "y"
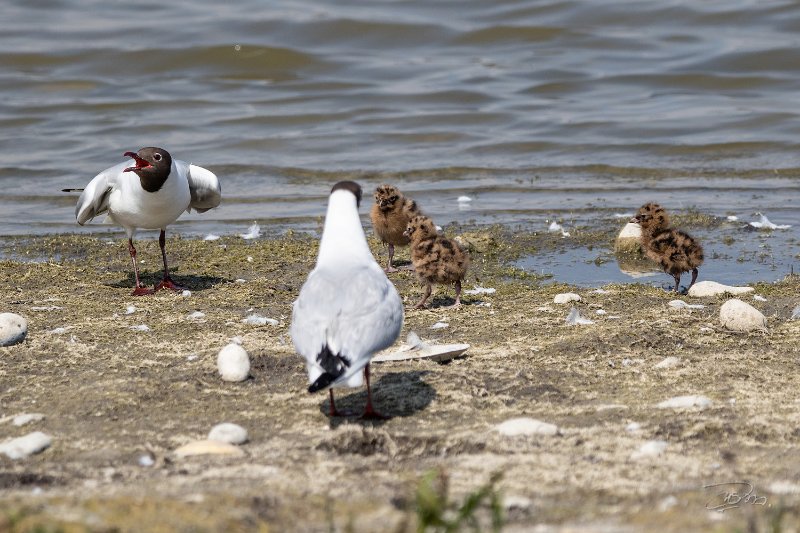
{"x": 111, "y": 393}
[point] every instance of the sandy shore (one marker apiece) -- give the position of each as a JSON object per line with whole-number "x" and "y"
{"x": 111, "y": 393}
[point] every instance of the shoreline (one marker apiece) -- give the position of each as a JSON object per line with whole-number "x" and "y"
{"x": 110, "y": 393}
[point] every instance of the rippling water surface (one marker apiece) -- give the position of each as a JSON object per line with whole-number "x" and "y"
{"x": 536, "y": 110}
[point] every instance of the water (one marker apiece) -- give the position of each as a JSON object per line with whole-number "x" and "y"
{"x": 535, "y": 109}
{"x": 735, "y": 255}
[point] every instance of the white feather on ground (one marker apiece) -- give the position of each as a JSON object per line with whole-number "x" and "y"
{"x": 253, "y": 232}
{"x": 764, "y": 223}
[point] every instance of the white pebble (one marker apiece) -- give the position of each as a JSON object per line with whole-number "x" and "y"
{"x": 566, "y": 297}
{"x": 737, "y": 315}
{"x": 191, "y": 357}
{"x": 196, "y": 314}
{"x": 668, "y": 362}
{"x": 146, "y": 460}
{"x": 463, "y": 199}
{"x": 759, "y": 298}
{"x": 633, "y": 427}
{"x": 525, "y": 426}
{"x": 130, "y": 310}
{"x": 796, "y": 313}
{"x": 667, "y": 503}
{"x": 514, "y": 501}
{"x": 236, "y": 340}
{"x": 258, "y": 320}
{"x": 683, "y": 402}
{"x": 600, "y": 291}
{"x": 233, "y": 363}
{"x": 784, "y": 487}
{"x": 601, "y": 312}
{"x": 27, "y": 418}
{"x": 186, "y": 293}
{"x": 680, "y": 304}
{"x": 240, "y": 280}
{"x": 712, "y": 288}
{"x": 227, "y": 432}
{"x": 439, "y": 325}
{"x": 208, "y": 447}
{"x": 22, "y": 447}
{"x": 651, "y": 448}
{"x": 574, "y": 318}
{"x": 732, "y": 218}
{"x": 211, "y": 237}
{"x": 481, "y": 290}
{"x": 13, "y": 329}
{"x": 629, "y": 238}
{"x": 140, "y": 327}
{"x": 250, "y": 259}
{"x": 58, "y": 331}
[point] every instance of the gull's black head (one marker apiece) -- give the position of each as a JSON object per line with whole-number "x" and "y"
{"x": 152, "y": 166}
{"x": 350, "y": 186}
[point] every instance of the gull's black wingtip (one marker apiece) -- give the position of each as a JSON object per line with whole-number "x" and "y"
{"x": 322, "y": 382}
{"x": 71, "y": 190}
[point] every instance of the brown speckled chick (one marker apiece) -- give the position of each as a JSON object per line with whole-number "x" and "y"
{"x": 676, "y": 251}
{"x": 390, "y": 215}
{"x": 436, "y": 258}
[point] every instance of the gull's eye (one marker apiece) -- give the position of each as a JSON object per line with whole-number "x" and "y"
{"x": 157, "y": 156}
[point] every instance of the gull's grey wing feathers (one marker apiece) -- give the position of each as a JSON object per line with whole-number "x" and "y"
{"x": 204, "y": 187}
{"x": 94, "y": 198}
{"x": 356, "y": 313}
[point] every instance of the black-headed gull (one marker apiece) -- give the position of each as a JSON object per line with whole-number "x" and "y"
{"x": 347, "y": 309}
{"x": 150, "y": 195}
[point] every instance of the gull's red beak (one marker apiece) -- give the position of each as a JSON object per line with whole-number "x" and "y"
{"x": 140, "y": 163}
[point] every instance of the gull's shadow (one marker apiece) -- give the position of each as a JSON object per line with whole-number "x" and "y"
{"x": 151, "y": 279}
{"x": 394, "y": 394}
{"x": 443, "y": 301}
{"x": 403, "y": 264}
